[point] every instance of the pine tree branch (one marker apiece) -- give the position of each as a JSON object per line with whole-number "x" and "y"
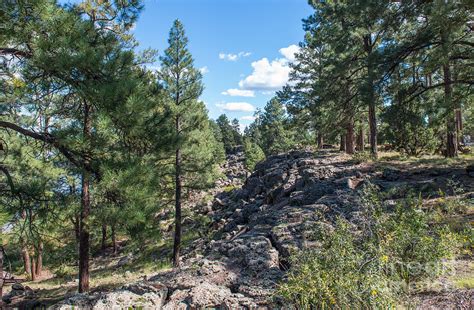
{"x": 14, "y": 52}
{"x": 51, "y": 140}
{"x": 9, "y": 177}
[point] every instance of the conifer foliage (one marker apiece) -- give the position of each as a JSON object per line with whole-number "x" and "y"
{"x": 383, "y": 72}
{"x": 89, "y": 137}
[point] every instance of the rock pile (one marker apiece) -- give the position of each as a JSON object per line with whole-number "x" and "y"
{"x": 142, "y": 295}
{"x": 18, "y": 291}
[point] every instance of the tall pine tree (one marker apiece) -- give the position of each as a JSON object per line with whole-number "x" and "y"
{"x": 196, "y": 149}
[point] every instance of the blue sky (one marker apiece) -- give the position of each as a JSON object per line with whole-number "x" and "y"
{"x": 234, "y": 42}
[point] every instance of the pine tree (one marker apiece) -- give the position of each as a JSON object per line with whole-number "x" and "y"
{"x": 275, "y": 134}
{"x": 253, "y": 153}
{"x": 230, "y": 135}
{"x": 194, "y": 142}
{"x": 236, "y": 132}
{"x": 84, "y": 68}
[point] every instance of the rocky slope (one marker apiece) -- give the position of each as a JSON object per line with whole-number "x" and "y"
{"x": 255, "y": 228}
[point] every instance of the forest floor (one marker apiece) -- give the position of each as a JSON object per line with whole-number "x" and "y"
{"x": 433, "y": 176}
{"x": 108, "y": 272}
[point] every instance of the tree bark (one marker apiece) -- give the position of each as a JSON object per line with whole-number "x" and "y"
{"x": 114, "y": 239}
{"x": 458, "y": 111}
{"x": 39, "y": 258}
{"x": 103, "y": 244}
{"x": 26, "y": 259}
{"x": 342, "y": 146}
{"x": 451, "y": 140}
{"x": 373, "y": 130}
{"x": 85, "y": 211}
{"x": 33, "y": 269}
{"x": 320, "y": 140}
{"x": 360, "y": 140}
{"x": 177, "y": 230}
{"x": 459, "y": 127}
{"x": 370, "y": 96}
{"x": 350, "y": 137}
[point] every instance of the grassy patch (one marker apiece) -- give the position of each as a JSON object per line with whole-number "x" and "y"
{"x": 465, "y": 283}
{"x": 425, "y": 160}
{"x": 230, "y": 188}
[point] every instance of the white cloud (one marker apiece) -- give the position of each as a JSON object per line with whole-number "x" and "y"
{"x": 238, "y": 92}
{"x": 204, "y": 70}
{"x": 247, "y": 118}
{"x": 229, "y": 57}
{"x": 289, "y": 52}
{"x": 266, "y": 75}
{"x": 233, "y": 57}
{"x": 236, "y": 106}
{"x": 270, "y": 75}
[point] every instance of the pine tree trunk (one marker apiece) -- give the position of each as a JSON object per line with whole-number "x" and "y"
{"x": 177, "y": 230}
{"x": 350, "y": 137}
{"x": 320, "y": 140}
{"x": 26, "y": 259}
{"x": 33, "y": 269}
{"x": 373, "y": 130}
{"x": 39, "y": 259}
{"x": 459, "y": 127}
{"x": 370, "y": 97}
{"x": 114, "y": 239}
{"x": 85, "y": 211}
{"x": 360, "y": 140}
{"x": 342, "y": 146}
{"x": 451, "y": 143}
{"x": 458, "y": 111}
{"x": 103, "y": 244}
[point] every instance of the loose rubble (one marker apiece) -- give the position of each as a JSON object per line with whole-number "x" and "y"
{"x": 142, "y": 295}
{"x": 18, "y": 291}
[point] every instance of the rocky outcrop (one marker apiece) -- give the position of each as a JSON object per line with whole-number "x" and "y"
{"x": 256, "y": 227}
{"x": 275, "y": 212}
{"x": 137, "y": 295}
{"x": 233, "y": 175}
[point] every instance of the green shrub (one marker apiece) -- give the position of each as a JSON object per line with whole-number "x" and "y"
{"x": 454, "y": 204}
{"x": 338, "y": 275}
{"x": 361, "y": 157}
{"x": 65, "y": 271}
{"x": 415, "y": 247}
{"x": 373, "y": 264}
{"x": 230, "y": 188}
